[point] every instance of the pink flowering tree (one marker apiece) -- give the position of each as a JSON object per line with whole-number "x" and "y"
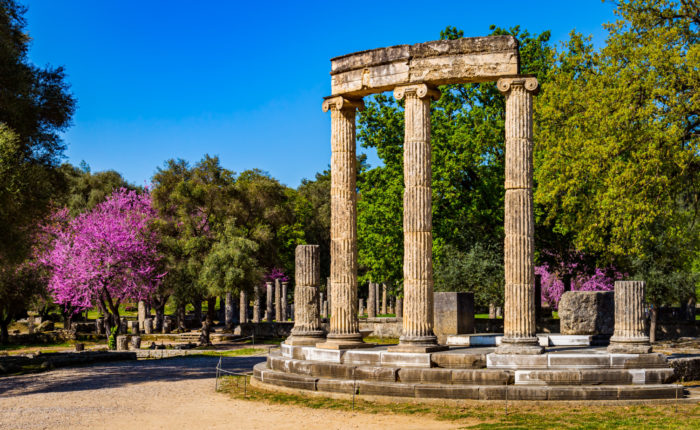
{"x": 105, "y": 256}
{"x": 276, "y": 273}
{"x": 553, "y": 284}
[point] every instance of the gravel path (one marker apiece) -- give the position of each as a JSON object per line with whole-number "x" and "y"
{"x": 175, "y": 393}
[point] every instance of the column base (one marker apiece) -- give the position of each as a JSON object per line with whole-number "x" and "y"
{"x": 344, "y": 341}
{"x": 637, "y": 345}
{"x": 527, "y": 345}
{"x": 418, "y": 344}
{"x": 309, "y": 338}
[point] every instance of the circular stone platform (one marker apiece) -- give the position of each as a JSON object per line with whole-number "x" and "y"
{"x": 563, "y": 373}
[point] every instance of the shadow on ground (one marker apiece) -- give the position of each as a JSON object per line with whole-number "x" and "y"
{"x": 116, "y": 374}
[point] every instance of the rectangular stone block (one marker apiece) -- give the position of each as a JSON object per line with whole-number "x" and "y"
{"x": 454, "y": 314}
{"x": 333, "y": 370}
{"x": 650, "y": 392}
{"x": 372, "y": 388}
{"x": 301, "y": 367}
{"x": 480, "y": 377}
{"x": 447, "y": 391}
{"x": 336, "y": 386}
{"x": 405, "y": 359}
{"x": 638, "y": 361}
{"x": 327, "y": 355}
{"x": 587, "y": 312}
{"x": 418, "y": 375}
{"x": 582, "y": 393}
{"x": 290, "y": 380}
{"x": 606, "y": 377}
{"x": 547, "y": 377}
{"x": 658, "y": 376}
{"x": 528, "y": 393}
{"x": 279, "y": 364}
{"x": 387, "y": 374}
{"x": 580, "y": 361}
{"x": 516, "y": 361}
{"x": 360, "y": 357}
{"x": 569, "y": 340}
{"x": 493, "y": 392}
{"x": 458, "y": 361}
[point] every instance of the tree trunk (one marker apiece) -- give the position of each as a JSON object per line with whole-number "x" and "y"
{"x": 4, "y": 335}
{"x": 228, "y": 313}
{"x": 211, "y": 310}
{"x": 180, "y": 312}
{"x": 208, "y": 322}
{"x": 198, "y": 312}
{"x": 159, "y": 302}
{"x": 652, "y": 324}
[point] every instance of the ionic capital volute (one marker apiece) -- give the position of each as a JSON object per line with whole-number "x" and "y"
{"x": 420, "y": 90}
{"x": 340, "y": 103}
{"x": 528, "y": 82}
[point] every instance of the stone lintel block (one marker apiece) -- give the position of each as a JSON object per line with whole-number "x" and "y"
{"x": 481, "y": 377}
{"x": 376, "y": 373}
{"x": 362, "y": 357}
{"x": 321, "y": 354}
{"x": 516, "y": 361}
{"x": 547, "y": 377}
{"x": 405, "y": 359}
{"x": 638, "y": 361}
{"x": 582, "y": 393}
{"x": 336, "y": 386}
{"x": 372, "y": 388}
{"x": 418, "y": 375}
{"x": 470, "y": 392}
{"x": 332, "y": 370}
{"x": 579, "y": 361}
{"x": 458, "y": 361}
{"x": 650, "y": 392}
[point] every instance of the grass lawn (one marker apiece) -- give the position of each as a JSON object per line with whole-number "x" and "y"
{"x": 492, "y": 415}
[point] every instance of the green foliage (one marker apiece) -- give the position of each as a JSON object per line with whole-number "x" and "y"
{"x": 85, "y": 189}
{"x": 479, "y": 270}
{"x": 313, "y": 212}
{"x": 112, "y": 339}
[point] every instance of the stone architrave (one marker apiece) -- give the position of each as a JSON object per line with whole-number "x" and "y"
{"x": 228, "y": 311}
{"x": 283, "y": 298}
{"x": 256, "y": 304}
{"x": 371, "y": 301}
{"x": 399, "y": 307}
{"x": 243, "y": 308}
{"x": 141, "y": 313}
{"x": 630, "y": 336}
{"x": 269, "y": 310}
{"x": 344, "y": 327}
{"x": 384, "y": 312}
{"x": 417, "y": 334}
{"x": 307, "y": 319}
{"x": 278, "y": 300}
{"x": 519, "y": 321}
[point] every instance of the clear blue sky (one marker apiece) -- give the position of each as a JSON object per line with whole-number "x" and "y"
{"x": 242, "y": 80}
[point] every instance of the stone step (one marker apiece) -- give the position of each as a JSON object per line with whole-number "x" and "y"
{"x": 486, "y": 339}
{"x": 576, "y": 361}
{"x": 594, "y": 377}
{"x": 465, "y": 391}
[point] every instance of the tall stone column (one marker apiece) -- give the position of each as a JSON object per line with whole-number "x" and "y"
{"x": 256, "y": 304}
{"x": 278, "y": 300}
{"x": 307, "y": 319}
{"x": 283, "y": 298}
{"x": 243, "y": 317}
{"x": 399, "y": 307}
{"x": 519, "y": 319}
{"x": 228, "y": 311}
{"x": 269, "y": 310}
{"x": 630, "y": 336}
{"x": 371, "y": 301}
{"x": 344, "y": 327}
{"x": 384, "y": 299}
{"x": 141, "y": 313}
{"x": 417, "y": 335}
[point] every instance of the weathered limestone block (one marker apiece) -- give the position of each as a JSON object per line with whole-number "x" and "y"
{"x": 283, "y": 298}
{"x": 148, "y": 326}
{"x": 371, "y": 301}
{"x": 136, "y": 342}
{"x": 243, "y": 308}
{"x": 133, "y": 327}
{"x": 384, "y": 312}
{"x": 123, "y": 343}
{"x": 399, "y": 307}
{"x": 307, "y": 319}
{"x": 256, "y": 304}
{"x": 270, "y": 312}
{"x": 141, "y": 313}
{"x": 454, "y": 314}
{"x": 587, "y": 312}
{"x": 631, "y": 335}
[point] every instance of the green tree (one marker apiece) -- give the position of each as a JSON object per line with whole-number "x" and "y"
{"x": 85, "y": 190}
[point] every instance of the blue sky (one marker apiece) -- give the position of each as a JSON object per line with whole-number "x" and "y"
{"x": 242, "y": 80}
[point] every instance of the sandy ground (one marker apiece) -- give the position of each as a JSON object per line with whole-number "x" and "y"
{"x": 164, "y": 394}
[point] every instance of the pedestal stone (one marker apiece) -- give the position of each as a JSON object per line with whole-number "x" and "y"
{"x": 344, "y": 327}
{"x": 417, "y": 334}
{"x": 454, "y": 314}
{"x": 307, "y": 274}
{"x": 587, "y": 312}
{"x": 631, "y": 336}
{"x": 519, "y": 323}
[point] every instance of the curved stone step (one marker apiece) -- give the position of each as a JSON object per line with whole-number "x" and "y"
{"x": 594, "y": 377}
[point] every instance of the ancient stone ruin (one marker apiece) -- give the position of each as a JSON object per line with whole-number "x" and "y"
{"x": 518, "y": 367}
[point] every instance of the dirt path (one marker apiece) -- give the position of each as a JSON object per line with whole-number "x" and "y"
{"x": 163, "y": 394}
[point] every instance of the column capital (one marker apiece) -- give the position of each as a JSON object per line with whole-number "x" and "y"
{"x": 420, "y": 90}
{"x": 340, "y": 103}
{"x": 528, "y": 82}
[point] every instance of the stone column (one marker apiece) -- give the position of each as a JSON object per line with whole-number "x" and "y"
{"x": 228, "y": 312}
{"x": 399, "y": 307}
{"x": 384, "y": 312}
{"x": 141, "y": 313}
{"x": 344, "y": 327}
{"x": 307, "y": 319}
{"x": 322, "y": 304}
{"x": 519, "y": 320}
{"x": 243, "y": 308}
{"x": 630, "y": 336}
{"x": 283, "y": 298}
{"x": 417, "y": 335}
{"x": 371, "y": 301}
{"x": 269, "y": 310}
{"x": 278, "y": 300}
{"x": 256, "y": 304}
{"x": 329, "y": 298}
{"x": 360, "y": 308}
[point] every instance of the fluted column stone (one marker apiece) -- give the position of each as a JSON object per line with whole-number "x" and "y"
{"x": 417, "y": 334}
{"x": 256, "y": 304}
{"x": 243, "y": 308}
{"x": 519, "y": 319}
{"x": 630, "y": 335}
{"x": 344, "y": 327}
{"x": 384, "y": 312}
{"x": 283, "y": 297}
{"x": 228, "y": 310}
{"x": 371, "y": 301}
{"x": 278, "y": 300}
{"x": 270, "y": 297}
{"x": 307, "y": 318}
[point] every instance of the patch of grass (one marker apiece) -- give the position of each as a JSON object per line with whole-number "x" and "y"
{"x": 492, "y": 415}
{"x": 235, "y": 352}
{"x": 381, "y": 341}
{"x": 268, "y": 341}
